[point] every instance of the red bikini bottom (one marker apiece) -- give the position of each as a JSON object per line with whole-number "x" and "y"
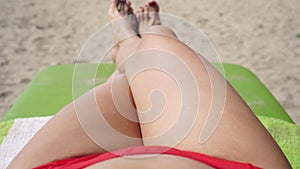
{"x": 85, "y": 161}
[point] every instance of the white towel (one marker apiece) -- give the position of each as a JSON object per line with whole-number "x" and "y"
{"x": 19, "y": 134}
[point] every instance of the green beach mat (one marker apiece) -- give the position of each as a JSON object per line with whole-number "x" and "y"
{"x": 51, "y": 90}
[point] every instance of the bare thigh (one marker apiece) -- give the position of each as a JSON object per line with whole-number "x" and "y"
{"x": 64, "y": 136}
{"x": 238, "y": 135}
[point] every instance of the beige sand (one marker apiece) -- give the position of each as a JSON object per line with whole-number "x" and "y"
{"x": 258, "y": 34}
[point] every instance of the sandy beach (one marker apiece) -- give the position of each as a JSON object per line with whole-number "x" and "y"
{"x": 262, "y": 35}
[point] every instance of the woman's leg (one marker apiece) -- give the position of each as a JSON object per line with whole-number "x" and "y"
{"x": 238, "y": 136}
{"x": 66, "y": 134}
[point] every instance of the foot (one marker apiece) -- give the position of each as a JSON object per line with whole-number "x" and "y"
{"x": 147, "y": 16}
{"x": 124, "y": 10}
{"x": 123, "y": 23}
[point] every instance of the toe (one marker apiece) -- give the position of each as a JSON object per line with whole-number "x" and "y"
{"x": 146, "y": 12}
{"x": 126, "y": 8}
{"x": 146, "y": 7}
{"x": 113, "y": 4}
{"x": 138, "y": 14}
{"x": 128, "y": 3}
{"x": 121, "y": 6}
{"x": 129, "y": 10}
{"x": 143, "y": 12}
{"x": 153, "y": 6}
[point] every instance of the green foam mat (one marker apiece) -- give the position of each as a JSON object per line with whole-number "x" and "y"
{"x": 254, "y": 92}
{"x": 51, "y": 90}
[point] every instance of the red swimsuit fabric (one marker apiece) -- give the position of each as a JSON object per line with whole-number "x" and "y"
{"x": 85, "y": 161}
